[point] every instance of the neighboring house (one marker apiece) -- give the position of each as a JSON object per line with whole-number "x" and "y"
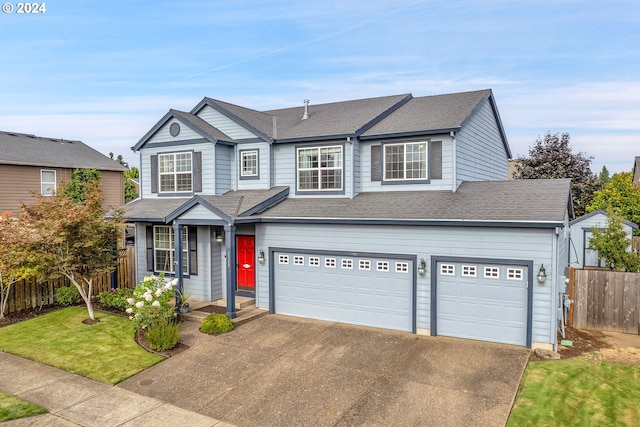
{"x": 391, "y": 212}
{"x": 31, "y": 164}
{"x": 636, "y": 171}
{"x": 580, "y": 256}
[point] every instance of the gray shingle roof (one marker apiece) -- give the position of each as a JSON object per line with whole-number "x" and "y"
{"x": 492, "y": 201}
{"x": 25, "y": 149}
{"x": 154, "y": 210}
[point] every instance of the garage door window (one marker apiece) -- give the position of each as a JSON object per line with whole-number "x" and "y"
{"x": 447, "y": 269}
{"x": 364, "y": 264}
{"x": 491, "y": 273}
{"x": 515, "y": 274}
{"x": 330, "y": 262}
{"x": 314, "y": 261}
{"x": 469, "y": 270}
{"x": 283, "y": 259}
{"x": 402, "y": 267}
{"x": 298, "y": 260}
{"x": 382, "y": 266}
{"x": 347, "y": 263}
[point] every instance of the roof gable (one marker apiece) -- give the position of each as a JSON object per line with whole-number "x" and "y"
{"x": 604, "y": 214}
{"x": 31, "y": 150}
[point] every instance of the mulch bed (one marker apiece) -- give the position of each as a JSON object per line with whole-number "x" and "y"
{"x": 19, "y": 316}
{"x": 584, "y": 342}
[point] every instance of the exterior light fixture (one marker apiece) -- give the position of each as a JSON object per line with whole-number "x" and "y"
{"x": 261, "y": 256}
{"x": 422, "y": 268}
{"x": 219, "y": 238}
{"x": 542, "y": 275}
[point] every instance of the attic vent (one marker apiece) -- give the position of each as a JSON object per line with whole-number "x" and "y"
{"x": 305, "y": 116}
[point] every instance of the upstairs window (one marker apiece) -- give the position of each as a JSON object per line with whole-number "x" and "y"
{"x": 320, "y": 168}
{"x": 47, "y": 183}
{"x": 175, "y": 172}
{"x": 249, "y": 164}
{"x": 405, "y": 161}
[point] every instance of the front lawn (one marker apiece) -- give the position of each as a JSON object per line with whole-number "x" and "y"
{"x": 13, "y": 408}
{"x": 577, "y": 392}
{"x": 105, "y": 351}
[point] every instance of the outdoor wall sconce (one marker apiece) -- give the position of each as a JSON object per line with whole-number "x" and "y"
{"x": 422, "y": 268}
{"x": 542, "y": 275}
{"x": 261, "y": 256}
{"x": 219, "y": 238}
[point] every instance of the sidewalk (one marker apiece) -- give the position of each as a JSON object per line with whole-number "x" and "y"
{"x": 73, "y": 400}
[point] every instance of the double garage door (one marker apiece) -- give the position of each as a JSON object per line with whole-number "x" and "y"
{"x": 482, "y": 301}
{"x": 368, "y": 290}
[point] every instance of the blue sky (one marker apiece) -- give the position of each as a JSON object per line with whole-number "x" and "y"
{"x": 105, "y": 72}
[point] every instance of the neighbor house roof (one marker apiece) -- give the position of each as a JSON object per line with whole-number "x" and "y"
{"x": 601, "y": 212}
{"x": 31, "y": 150}
{"x": 369, "y": 118}
{"x": 521, "y": 201}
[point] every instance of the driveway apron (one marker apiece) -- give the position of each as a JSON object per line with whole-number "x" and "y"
{"x": 280, "y": 370}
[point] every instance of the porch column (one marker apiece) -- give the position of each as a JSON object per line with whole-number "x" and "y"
{"x": 177, "y": 258}
{"x": 232, "y": 268}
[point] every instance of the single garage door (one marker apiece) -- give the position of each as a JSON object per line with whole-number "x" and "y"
{"x": 486, "y": 302}
{"x": 361, "y": 290}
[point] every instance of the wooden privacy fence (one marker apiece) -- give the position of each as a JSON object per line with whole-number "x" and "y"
{"x": 29, "y": 293}
{"x": 606, "y": 300}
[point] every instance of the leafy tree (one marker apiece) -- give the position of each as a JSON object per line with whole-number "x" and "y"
{"x": 604, "y": 177}
{"x": 119, "y": 159}
{"x": 15, "y": 260}
{"x": 130, "y": 192}
{"x": 612, "y": 245}
{"x": 76, "y": 189}
{"x": 552, "y": 157}
{"x": 74, "y": 240}
{"x": 621, "y": 196}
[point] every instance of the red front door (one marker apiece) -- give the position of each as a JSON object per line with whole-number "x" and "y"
{"x": 246, "y": 263}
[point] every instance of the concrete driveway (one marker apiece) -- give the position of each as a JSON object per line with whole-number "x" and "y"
{"x": 280, "y": 371}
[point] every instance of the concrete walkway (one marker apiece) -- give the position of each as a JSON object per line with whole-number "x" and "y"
{"x": 73, "y": 400}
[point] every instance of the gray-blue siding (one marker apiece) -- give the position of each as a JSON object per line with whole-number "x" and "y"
{"x": 480, "y": 242}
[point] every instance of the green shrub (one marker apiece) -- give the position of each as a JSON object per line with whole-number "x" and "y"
{"x": 67, "y": 295}
{"x": 163, "y": 335}
{"x": 116, "y": 298}
{"x": 216, "y": 323}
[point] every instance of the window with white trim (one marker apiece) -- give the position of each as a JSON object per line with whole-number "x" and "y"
{"x": 320, "y": 168}
{"x": 405, "y": 161}
{"x": 515, "y": 273}
{"x": 382, "y": 266}
{"x": 447, "y": 269}
{"x": 48, "y": 182}
{"x": 314, "y": 261}
{"x": 402, "y": 267}
{"x": 175, "y": 172}
{"x": 249, "y": 163}
{"x": 491, "y": 273}
{"x": 469, "y": 270}
{"x": 298, "y": 260}
{"x": 364, "y": 264}
{"x": 347, "y": 263}
{"x": 330, "y": 262}
{"x": 164, "y": 249}
{"x": 283, "y": 259}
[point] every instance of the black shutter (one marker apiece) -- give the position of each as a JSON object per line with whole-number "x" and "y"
{"x": 435, "y": 159}
{"x": 197, "y": 172}
{"x": 193, "y": 250}
{"x": 154, "y": 174}
{"x": 376, "y": 164}
{"x": 149, "y": 248}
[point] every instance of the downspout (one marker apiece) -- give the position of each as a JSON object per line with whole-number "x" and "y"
{"x": 455, "y": 160}
{"x": 177, "y": 259}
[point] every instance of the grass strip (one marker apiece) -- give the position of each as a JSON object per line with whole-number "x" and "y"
{"x": 13, "y": 408}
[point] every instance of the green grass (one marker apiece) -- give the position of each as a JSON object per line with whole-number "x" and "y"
{"x": 105, "y": 351}
{"x": 577, "y": 392}
{"x": 13, "y": 408}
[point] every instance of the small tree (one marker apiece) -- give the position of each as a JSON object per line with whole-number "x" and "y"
{"x": 74, "y": 240}
{"x": 15, "y": 259}
{"x": 552, "y": 157}
{"x": 612, "y": 245}
{"x": 620, "y": 195}
{"x": 130, "y": 192}
{"x": 604, "y": 176}
{"x": 77, "y": 188}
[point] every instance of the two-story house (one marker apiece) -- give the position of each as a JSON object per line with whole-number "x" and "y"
{"x": 31, "y": 164}
{"x": 391, "y": 212}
